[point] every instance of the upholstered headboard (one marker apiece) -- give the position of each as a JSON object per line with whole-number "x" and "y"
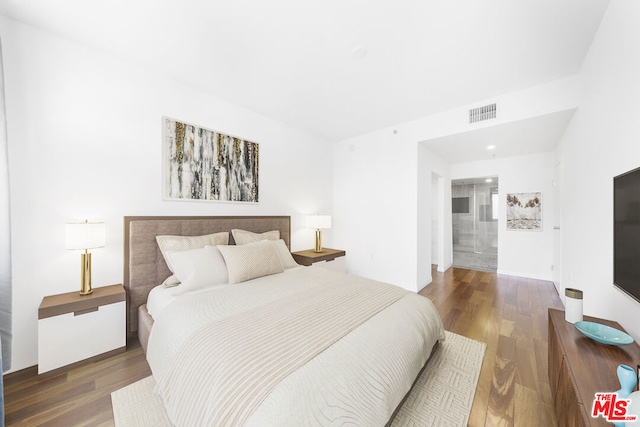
{"x": 144, "y": 266}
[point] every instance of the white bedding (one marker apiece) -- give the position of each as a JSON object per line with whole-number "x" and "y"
{"x": 359, "y": 380}
{"x": 160, "y": 297}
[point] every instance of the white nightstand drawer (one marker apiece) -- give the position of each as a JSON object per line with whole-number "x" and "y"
{"x": 69, "y": 337}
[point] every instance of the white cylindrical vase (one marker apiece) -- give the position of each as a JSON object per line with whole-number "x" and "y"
{"x": 634, "y": 406}
{"x": 573, "y": 305}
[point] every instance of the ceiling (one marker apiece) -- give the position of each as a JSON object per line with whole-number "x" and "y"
{"x": 300, "y": 61}
{"x": 535, "y": 135}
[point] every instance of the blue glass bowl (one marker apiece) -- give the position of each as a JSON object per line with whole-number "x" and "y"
{"x": 603, "y": 334}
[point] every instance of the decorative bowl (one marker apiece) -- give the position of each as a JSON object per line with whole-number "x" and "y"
{"x": 603, "y": 334}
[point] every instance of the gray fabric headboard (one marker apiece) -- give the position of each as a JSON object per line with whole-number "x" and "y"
{"x": 144, "y": 266}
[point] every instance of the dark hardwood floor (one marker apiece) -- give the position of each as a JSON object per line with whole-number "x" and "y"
{"x": 79, "y": 396}
{"x": 507, "y": 313}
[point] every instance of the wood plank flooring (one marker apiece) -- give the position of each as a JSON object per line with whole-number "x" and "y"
{"x": 508, "y": 313}
{"x": 79, "y": 396}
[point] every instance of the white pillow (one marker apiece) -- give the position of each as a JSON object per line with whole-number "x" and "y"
{"x": 243, "y": 237}
{"x": 184, "y": 243}
{"x": 286, "y": 259}
{"x": 250, "y": 261}
{"x": 198, "y": 268}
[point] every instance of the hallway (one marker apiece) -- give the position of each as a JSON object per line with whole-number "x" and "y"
{"x": 475, "y": 223}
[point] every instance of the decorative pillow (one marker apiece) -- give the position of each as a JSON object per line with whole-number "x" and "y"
{"x": 242, "y": 237}
{"x": 198, "y": 268}
{"x": 286, "y": 259}
{"x": 185, "y": 243}
{"x": 170, "y": 282}
{"x": 250, "y": 261}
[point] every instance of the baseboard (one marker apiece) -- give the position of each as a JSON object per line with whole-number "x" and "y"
{"x": 526, "y": 275}
{"x": 424, "y": 285}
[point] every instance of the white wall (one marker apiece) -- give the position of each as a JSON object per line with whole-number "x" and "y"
{"x": 433, "y": 203}
{"x": 520, "y": 253}
{"x": 602, "y": 141}
{"x": 436, "y": 202}
{"x": 375, "y": 206}
{"x": 85, "y": 142}
{"x": 378, "y": 183}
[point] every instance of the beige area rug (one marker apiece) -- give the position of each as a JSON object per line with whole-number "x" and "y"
{"x": 442, "y": 396}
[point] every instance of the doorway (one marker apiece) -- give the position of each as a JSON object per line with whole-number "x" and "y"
{"x": 474, "y": 205}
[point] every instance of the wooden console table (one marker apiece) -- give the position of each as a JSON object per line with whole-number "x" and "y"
{"x": 579, "y": 367}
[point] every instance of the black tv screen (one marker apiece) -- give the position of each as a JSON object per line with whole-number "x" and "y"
{"x": 626, "y": 232}
{"x": 460, "y": 205}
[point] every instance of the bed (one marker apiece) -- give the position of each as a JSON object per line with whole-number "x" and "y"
{"x": 277, "y": 344}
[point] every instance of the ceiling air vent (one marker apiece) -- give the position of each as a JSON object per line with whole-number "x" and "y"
{"x": 480, "y": 114}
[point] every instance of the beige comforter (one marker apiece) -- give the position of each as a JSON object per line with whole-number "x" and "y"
{"x": 305, "y": 347}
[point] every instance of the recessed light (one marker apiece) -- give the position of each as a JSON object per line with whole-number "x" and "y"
{"x": 491, "y": 147}
{"x": 359, "y": 52}
{"x": 488, "y": 180}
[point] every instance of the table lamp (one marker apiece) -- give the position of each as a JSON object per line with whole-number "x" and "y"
{"x": 318, "y": 222}
{"x": 85, "y": 235}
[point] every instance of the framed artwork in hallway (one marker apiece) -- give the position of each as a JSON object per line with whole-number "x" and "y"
{"x": 524, "y": 211}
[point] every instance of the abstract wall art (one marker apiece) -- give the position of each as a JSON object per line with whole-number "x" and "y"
{"x": 524, "y": 211}
{"x": 204, "y": 164}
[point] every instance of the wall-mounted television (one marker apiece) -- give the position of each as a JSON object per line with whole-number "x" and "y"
{"x": 626, "y": 233}
{"x": 460, "y": 205}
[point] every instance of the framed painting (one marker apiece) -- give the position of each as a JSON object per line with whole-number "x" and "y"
{"x": 207, "y": 165}
{"x": 524, "y": 211}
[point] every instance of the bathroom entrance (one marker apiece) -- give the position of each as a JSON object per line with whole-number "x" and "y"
{"x": 475, "y": 223}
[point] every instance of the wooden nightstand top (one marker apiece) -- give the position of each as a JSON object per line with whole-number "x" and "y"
{"x": 309, "y": 256}
{"x": 73, "y": 302}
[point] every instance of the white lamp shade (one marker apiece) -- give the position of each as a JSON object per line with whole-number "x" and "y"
{"x": 85, "y": 235}
{"x": 319, "y": 221}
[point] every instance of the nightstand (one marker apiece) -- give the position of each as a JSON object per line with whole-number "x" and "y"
{"x": 74, "y": 327}
{"x": 333, "y": 259}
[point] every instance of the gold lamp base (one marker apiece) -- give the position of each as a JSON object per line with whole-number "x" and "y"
{"x": 85, "y": 265}
{"x": 318, "y": 247}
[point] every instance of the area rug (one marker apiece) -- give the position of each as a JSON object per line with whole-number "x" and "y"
{"x": 442, "y": 396}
